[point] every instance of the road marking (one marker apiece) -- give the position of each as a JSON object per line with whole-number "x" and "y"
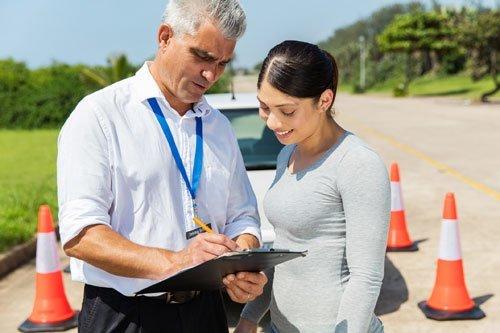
{"x": 426, "y": 158}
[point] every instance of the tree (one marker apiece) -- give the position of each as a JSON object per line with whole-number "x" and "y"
{"x": 14, "y": 82}
{"x": 417, "y": 32}
{"x": 480, "y": 36}
{"x": 118, "y": 68}
{"x": 343, "y": 44}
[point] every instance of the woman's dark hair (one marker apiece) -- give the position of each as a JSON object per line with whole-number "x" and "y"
{"x": 300, "y": 69}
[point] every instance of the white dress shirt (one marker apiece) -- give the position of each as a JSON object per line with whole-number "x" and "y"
{"x": 114, "y": 167}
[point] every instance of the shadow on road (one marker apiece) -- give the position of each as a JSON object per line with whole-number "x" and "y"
{"x": 482, "y": 299}
{"x": 233, "y": 311}
{"x": 446, "y": 93}
{"x": 394, "y": 290}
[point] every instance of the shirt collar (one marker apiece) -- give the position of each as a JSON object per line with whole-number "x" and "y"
{"x": 146, "y": 87}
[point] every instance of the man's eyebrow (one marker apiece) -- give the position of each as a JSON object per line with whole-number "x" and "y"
{"x": 206, "y": 55}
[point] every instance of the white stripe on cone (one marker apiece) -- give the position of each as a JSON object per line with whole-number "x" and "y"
{"x": 449, "y": 244}
{"x": 396, "y": 197}
{"x": 47, "y": 258}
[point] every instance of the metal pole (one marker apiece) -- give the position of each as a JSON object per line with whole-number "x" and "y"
{"x": 362, "y": 60}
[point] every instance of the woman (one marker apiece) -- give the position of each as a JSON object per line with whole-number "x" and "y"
{"x": 330, "y": 196}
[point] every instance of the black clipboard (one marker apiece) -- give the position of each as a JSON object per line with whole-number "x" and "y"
{"x": 208, "y": 275}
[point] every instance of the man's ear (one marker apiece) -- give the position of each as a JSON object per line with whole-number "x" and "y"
{"x": 165, "y": 33}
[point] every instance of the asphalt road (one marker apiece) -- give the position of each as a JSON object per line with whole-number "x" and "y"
{"x": 441, "y": 145}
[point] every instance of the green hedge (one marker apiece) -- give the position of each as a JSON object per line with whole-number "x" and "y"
{"x": 44, "y": 97}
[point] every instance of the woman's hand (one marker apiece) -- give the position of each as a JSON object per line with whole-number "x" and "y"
{"x": 245, "y": 326}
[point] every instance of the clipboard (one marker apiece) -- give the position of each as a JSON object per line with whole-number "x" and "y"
{"x": 209, "y": 275}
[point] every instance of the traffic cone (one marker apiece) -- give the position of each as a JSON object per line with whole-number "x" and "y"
{"x": 398, "y": 239}
{"x": 51, "y": 311}
{"x": 449, "y": 299}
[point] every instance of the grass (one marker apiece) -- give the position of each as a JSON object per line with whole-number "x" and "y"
{"x": 459, "y": 85}
{"x": 27, "y": 180}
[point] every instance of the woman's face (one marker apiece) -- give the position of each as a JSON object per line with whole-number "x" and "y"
{"x": 292, "y": 119}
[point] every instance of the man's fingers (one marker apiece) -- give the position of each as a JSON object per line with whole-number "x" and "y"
{"x": 221, "y": 240}
{"x": 248, "y": 287}
{"x": 239, "y": 294}
{"x": 214, "y": 249}
{"x": 257, "y": 278}
{"x": 234, "y": 297}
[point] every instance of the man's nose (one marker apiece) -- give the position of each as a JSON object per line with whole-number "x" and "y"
{"x": 209, "y": 74}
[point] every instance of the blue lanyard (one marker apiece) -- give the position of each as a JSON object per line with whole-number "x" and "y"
{"x": 198, "y": 157}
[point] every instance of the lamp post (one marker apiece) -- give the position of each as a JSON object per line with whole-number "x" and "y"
{"x": 362, "y": 61}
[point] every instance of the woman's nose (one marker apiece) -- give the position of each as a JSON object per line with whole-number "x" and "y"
{"x": 273, "y": 122}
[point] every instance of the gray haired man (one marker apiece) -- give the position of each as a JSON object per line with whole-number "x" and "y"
{"x": 138, "y": 161}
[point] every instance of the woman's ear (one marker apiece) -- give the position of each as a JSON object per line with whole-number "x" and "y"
{"x": 326, "y": 100}
{"x": 165, "y": 33}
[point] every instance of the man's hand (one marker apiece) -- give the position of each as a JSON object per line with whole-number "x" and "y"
{"x": 204, "y": 247}
{"x": 245, "y": 326}
{"x": 244, "y": 286}
{"x": 246, "y": 241}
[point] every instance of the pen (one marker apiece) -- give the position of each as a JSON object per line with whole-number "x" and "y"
{"x": 202, "y": 225}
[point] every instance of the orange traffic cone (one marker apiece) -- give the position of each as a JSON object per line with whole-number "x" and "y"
{"x": 51, "y": 311}
{"x": 398, "y": 239}
{"x": 449, "y": 299}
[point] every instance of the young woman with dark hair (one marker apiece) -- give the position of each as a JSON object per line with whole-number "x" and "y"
{"x": 330, "y": 196}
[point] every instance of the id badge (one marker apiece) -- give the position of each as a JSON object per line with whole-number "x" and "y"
{"x": 192, "y": 233}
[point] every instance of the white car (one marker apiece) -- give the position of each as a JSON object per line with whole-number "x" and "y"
{"x": 257, "y": 143}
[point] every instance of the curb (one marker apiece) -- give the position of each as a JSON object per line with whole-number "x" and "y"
{"x": 19, "y": 255}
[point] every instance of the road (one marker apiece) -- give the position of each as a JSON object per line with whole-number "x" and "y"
{"x": 441, "y": 145}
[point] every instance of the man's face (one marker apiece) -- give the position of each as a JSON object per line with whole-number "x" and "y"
{"x": 190, "y": 65}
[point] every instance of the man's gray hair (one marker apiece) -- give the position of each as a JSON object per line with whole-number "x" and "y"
{"x": 186, "y": 16}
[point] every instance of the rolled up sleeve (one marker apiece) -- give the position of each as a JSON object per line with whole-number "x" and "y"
{"x": 83, "y": 172}
{"x": 242, "y": 212}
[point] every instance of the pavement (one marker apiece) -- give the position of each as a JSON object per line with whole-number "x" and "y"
{"x": 442, "y": 145}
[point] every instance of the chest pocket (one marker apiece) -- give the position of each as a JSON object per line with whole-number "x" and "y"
{"x": 215, "y": 192}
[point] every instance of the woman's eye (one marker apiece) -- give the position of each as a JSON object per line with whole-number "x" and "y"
{"x": 288, "y": 114}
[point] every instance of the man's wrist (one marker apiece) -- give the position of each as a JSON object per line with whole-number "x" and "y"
{"x": 247, "y": 241}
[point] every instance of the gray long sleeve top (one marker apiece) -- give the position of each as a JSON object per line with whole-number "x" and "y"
{"x": 337, "y": 209}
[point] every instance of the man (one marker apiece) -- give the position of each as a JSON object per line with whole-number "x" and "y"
{"x": 138, "y": 161}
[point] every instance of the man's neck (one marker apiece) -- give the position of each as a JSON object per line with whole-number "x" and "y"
{"x": 180, "y": 107}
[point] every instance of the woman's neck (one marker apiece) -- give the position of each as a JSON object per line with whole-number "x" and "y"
{"x": 321, "y": 140}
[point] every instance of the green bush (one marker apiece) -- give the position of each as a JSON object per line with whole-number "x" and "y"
{"x": 223, "y": 85}
{"x": 41, "y": 98}
{"x": 401, "y": 90}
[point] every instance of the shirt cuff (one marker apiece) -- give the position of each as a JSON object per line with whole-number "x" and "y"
{"x": 243, "y": 226}
{"x": 77, "y": 214}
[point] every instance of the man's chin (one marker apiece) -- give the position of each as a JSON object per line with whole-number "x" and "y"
{"x": 192, "y": 97}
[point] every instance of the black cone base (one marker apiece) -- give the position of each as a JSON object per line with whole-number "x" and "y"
{"x": 29, "y": 326}
{"x": 472, "y": 314}
{"x": 410, "y": 248}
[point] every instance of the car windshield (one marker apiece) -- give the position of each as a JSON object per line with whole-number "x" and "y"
{"x": 258, "y": 144}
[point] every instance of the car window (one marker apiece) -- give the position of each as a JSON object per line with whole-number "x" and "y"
{"x": 258, "y": 144}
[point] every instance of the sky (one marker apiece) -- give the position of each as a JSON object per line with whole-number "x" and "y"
{"x": 88, "y": 31}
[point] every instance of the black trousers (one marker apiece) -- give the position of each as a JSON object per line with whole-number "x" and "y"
{"x": 106, "y": 310}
